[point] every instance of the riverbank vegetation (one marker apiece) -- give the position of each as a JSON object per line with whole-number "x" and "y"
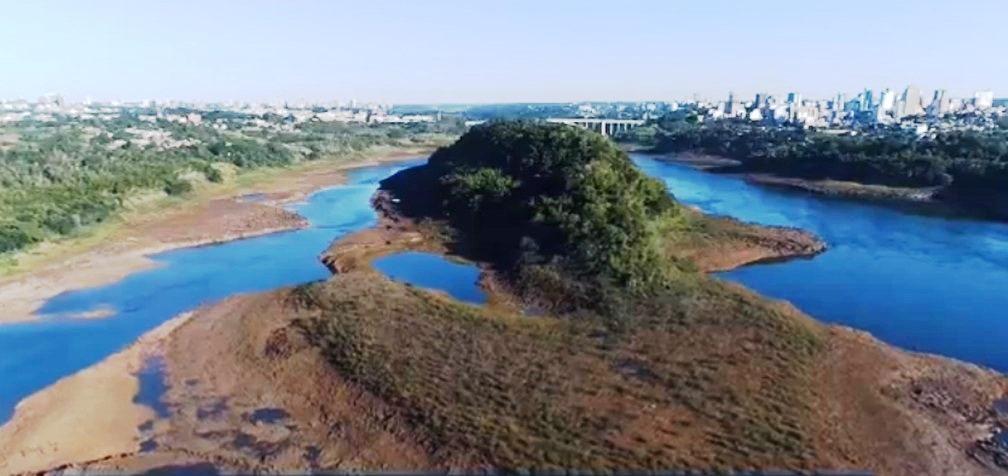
{"x": 970, "y": 167}
{"x": 58, "y": 177}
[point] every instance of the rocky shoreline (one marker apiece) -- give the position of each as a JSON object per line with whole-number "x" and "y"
{"x": 855, "y": 190}
{"x": 725, "y": 243}
{"x": 832, "y": 188}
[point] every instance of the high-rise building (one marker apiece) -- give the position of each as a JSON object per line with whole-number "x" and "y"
{"x": 887, "y": 100}
{"x": 940, "y": 104}
{"x": 983, "y": 99}
{"x": 794, "y": 98}
{"x": 866, "y": 100}
{"x": 911, "y": 101}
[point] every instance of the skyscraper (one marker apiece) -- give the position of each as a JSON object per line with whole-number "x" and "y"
{"x": 939, "y": 104}
{"x": 911, "y": 101}
{"x": 887, "y": 100}
{"x": 983, "y": 99}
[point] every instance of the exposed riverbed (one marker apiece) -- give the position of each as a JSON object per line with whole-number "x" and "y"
{"x": 39, "y": 353}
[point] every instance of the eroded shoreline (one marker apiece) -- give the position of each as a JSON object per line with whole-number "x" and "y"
{"x": 32, "y": 436}
{"x": 917, "y": 196}
{"x": 217, "y": 219}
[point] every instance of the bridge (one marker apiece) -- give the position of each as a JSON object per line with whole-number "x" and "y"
{"x": 606, "y": 127}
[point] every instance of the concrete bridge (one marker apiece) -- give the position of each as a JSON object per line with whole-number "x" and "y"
{"x": 606, "y": 127}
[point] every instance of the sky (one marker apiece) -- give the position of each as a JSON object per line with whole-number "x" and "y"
{"x": 479, "y": 51}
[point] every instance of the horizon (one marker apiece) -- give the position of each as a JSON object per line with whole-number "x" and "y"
{"x": 450, "y": 51}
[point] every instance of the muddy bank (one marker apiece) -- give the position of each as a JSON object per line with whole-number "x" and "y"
{"x": 699, "y": 161}
{"x": 837, "y": 188}
{"x": 832, "y": 188}
{"x": 216, "y": 221}
{"x": 86, "y": 416}
{"x": 213, "y": 220}
{"x": 393, "y": 232}
{"x": 723, "y": 243}
{"x": 249, "y": 390}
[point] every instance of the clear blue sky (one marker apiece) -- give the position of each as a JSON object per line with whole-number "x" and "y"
{"x": 490, "y": 51}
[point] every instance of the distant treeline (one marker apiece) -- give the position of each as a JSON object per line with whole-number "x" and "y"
{"x": 971, "y": 166}
{"x": 56, "y": 177}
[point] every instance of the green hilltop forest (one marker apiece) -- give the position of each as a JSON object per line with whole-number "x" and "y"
{"x": 544, "y": 197}
{"x": 969, "y": 166}
{"x": 57, "y": 177}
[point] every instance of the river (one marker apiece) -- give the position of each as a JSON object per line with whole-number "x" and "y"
{"x": 37, "y": 354}
{"x": 923, "y": 283}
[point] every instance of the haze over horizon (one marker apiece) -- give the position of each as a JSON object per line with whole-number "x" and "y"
{"x": 453, "y": 51}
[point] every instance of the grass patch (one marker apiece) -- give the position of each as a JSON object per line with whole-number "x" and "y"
{"x": 712, "y": 377}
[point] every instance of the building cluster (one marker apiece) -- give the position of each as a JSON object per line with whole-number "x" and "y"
{"x": 911, "y": 109}
{"x": 618, "y": 110}
{"x": 53, "y": 107}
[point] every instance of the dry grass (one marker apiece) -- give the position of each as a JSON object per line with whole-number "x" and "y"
{"x": 713, "y": 243}
{"x": 707, "y": 378}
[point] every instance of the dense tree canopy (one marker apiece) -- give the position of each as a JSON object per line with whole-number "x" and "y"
{"x": 59, "y": 176}
{"x": 971, "y": 165}
{"x": 533, "y": 193}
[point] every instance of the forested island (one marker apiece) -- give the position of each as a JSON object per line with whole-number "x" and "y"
{"x": 60, "y": 176}
{"x": 966, "y": 168}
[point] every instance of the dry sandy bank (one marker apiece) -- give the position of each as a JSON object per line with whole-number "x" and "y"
{"x": 210, "y": 218}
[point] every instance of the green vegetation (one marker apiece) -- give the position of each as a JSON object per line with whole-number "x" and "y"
{"x": 61, "y": 176}
{"x": 970, "y": 166}
{"x": 534, "y": 194}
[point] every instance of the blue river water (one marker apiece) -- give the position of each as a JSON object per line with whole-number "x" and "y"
{"x": 924, "y": 283}
{"x": 36, "y": 354}
{"x": 434, "y": 271}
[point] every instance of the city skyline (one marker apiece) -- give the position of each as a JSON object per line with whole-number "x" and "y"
{"x": 926, "y": 95}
